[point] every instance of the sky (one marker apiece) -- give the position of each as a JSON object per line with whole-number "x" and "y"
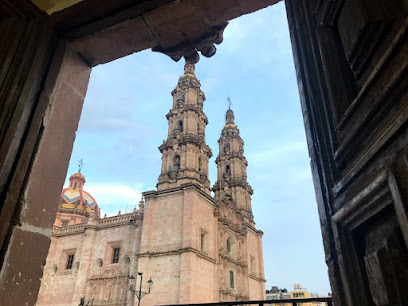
{"x": 123, "y": 122}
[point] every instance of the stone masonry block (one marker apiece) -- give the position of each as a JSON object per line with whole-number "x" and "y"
{"x": 19, "y": 272}
{"x": 60, "y": 124}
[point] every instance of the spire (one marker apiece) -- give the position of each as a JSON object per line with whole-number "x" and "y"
{"x": 189, "y": 68}
{"x": 185, "y": 154}
{"x": 229, "y": 117}
{"x": 231, "y": 181}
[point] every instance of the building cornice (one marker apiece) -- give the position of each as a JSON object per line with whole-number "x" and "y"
{"x": 176, "y": 252}
{"x": 259, "y": 279}
{"x": 154, "y": 193}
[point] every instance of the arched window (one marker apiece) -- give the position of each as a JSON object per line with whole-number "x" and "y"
{"x": 228, "y": 169}
{"x": 229, "y": 245}
{"x": 180, "y": 125}
{"x": 176, "y": 162}
{"x": 199, "y": 163}
{"x": 232, "y": 282}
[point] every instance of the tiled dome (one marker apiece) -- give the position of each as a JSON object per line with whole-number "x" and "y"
{"x": 74, "y": 197}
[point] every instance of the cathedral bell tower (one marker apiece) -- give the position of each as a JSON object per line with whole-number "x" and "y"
{"x": 231, "y": 181}
{"x": 178, "y": 247}
{"x": 185, "y": 154}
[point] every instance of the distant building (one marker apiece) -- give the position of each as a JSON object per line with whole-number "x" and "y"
{"x": 298, "y": 293}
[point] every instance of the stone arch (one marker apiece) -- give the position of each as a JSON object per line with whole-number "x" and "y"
{"x": 99, "y": 263}
{"x": 180, "y": 125}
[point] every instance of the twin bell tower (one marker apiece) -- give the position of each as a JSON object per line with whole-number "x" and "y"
{"x": 197, "y": 247}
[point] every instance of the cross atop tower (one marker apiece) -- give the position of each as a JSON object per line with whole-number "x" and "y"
{"x": 229, "y": 102}
{"x": 80, "y": 164}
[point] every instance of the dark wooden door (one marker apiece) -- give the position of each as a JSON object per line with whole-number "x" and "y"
{"x": 351, "y": 60}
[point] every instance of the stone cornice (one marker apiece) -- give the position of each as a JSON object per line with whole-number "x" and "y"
{"x": 154, "y": 193}
{"x": 233, "y": 182}
{"x": 186, "y": 138}
{"x": 228, "y": 155}
{"x": 173, "y": 176}
{"x": 187, "y": 107}
{"x": 254, "y": 230}
{"x": 228, "y": 137}
{"x": 114, "y": 274}
{"x": 176, "y": 252}
{"x": 259, "y": 279}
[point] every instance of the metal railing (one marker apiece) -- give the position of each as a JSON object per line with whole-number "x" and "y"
{"x": 293, "y": 302}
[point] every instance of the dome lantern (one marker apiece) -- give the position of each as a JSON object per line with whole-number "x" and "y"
{"x": 76, "y": 199}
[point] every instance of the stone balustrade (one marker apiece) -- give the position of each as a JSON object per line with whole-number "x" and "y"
{"x": 101, "y": 223}
{"x": 117, "y": 220}
{"x": 71, "y": 229}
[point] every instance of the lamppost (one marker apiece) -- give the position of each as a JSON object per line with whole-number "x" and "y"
{"x": 139, "y": 294}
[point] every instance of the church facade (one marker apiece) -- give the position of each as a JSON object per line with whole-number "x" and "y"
{"x": 195, "y": 247}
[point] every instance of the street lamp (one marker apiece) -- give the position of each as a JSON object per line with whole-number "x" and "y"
{"x": 139, "y": 294}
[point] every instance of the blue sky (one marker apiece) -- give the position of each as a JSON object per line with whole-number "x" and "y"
{"x": 123, "y": 123}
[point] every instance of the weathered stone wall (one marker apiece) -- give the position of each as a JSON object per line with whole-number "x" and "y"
{"x": 58, "y": 283}
{"x": 256, "y": 270}
{"x": 171, "y": 248}
{"x": 93, "y": 275}
{"x": 163, "y": 223}
{"x": 200, "y": 265}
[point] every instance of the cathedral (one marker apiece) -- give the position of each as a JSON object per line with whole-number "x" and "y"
{"x": 192, "y": 246}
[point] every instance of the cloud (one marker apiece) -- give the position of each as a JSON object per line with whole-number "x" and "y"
{"x": 277, "y": 150}
{"x": 112, "y": 197}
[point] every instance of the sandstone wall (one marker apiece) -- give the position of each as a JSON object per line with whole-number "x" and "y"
{"x": 171, "y": 247}
{"x": 93, "y": 274}
{"x": 256, "y": 270}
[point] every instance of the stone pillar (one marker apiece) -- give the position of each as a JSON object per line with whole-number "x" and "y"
{"x": 50, "y": 134}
